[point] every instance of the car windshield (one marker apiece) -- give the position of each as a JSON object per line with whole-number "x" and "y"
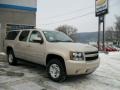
{"x": 55, "y": 36}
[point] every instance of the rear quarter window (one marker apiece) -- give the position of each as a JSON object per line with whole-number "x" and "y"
{"x": 24, "y": 35}
{"x": 12, "y": 35}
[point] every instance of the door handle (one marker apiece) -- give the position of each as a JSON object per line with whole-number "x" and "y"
{"x": 18, "y": 44}
{"x": 28, "y": 46}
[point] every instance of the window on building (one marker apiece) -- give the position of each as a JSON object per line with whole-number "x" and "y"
{"x": 24, "y": 36}
{"x": 10, "y": 27}
{"x": 12, "y": 35}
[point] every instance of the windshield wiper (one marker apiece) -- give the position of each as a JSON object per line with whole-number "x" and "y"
{"x": 56, "y": 41}
{"x": 61, "y": 41}
{"x": 66, "y": 41}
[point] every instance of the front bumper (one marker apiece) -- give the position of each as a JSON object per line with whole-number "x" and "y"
{"x": 81, "y": 67}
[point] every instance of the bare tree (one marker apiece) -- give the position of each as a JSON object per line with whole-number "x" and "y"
{"x": 110, "y": 34}
{"x": 67, "y": 29}
{"x": 117, "y": 27}
{"x": 113, "y": 33}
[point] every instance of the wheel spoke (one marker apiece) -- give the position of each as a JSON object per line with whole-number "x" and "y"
{"x": 10, "y": 58}
{"x": 54, "y": 71}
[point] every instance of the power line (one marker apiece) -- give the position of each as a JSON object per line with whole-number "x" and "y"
{"x": 86, "y": 14}
{"x": 70, "y": 18}
{"x": 67, "y": 13}
{"x": 60, "y": 15}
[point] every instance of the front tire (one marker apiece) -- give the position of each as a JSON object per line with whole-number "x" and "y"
{"x": 56, "y": 70}
{"x": 11, "y": 58}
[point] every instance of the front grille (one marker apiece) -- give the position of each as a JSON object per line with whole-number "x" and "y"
{"x": 89, "y": 56}
{"x": 91, "y": 52}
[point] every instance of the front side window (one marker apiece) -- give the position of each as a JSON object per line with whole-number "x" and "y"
{"x": 24, "y": 36}
{"x": 35, "y": 35}
{"x": 55, "y": 36}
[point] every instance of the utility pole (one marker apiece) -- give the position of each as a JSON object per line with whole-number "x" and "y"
{"x": 104, "y": 33}
{"x": 99, "y": 34}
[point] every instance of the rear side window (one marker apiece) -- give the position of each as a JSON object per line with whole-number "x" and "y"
{"x": 24, "y": 35}
{"x": 12, "y": 35}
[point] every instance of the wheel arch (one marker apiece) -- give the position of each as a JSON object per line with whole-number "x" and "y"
{"x": 52, "y": 56}
{"x": 8, "y": 49}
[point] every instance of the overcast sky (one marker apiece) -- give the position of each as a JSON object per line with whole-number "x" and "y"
{"x": 53, "y": 13}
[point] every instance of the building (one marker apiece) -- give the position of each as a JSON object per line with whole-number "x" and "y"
{"x": 16, "y": 14}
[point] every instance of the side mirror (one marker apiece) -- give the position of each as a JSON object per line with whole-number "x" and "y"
{"x": 38, "y": 40}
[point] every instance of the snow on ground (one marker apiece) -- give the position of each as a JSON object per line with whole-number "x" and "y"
{"x": 114, "y": 55}
{"x": 33, "y": 77}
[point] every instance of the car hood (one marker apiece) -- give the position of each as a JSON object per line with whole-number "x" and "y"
{"x": 77, "y": 47}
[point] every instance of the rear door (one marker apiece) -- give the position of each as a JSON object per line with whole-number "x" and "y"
{"x": 21, "y": 44}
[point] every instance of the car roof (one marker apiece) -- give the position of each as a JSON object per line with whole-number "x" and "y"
{"x": 30, "y": 30}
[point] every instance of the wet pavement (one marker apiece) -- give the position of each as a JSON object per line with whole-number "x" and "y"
{"x": 27, "y": 76}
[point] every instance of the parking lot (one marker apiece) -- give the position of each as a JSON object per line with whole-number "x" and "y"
{"x": 27, "y": 76}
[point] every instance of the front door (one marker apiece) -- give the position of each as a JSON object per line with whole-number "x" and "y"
{"x": 21, "y": 44}
{"x": 36, "y": 50}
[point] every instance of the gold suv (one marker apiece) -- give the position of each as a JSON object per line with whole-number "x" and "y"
{"x": 53, "y": 49}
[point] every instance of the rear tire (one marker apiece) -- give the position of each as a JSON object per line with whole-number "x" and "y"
{"x": 11, "y": 58}
{"x": 56, "y": 70}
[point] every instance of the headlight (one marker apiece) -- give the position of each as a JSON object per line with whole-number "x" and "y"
{"x": 76, "y": 56}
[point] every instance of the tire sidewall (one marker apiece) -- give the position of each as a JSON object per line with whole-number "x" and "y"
{"x": 62, "y": 75}
{"x": 14, "y": 59}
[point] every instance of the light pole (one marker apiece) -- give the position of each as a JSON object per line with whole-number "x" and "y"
{"x": 101, "y": 9}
